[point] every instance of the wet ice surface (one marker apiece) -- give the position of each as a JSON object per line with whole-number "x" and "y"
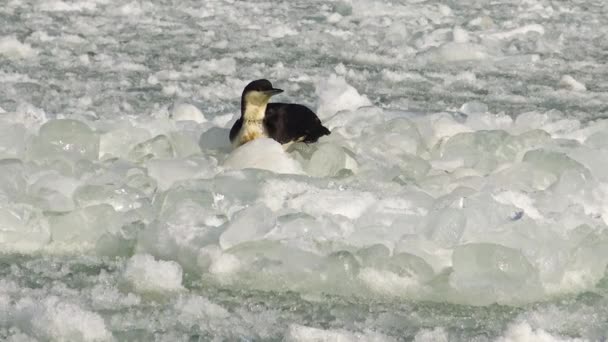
{"x": 461, "y": 196}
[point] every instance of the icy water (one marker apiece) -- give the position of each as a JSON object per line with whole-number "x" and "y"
{"x": 462, "y": 194}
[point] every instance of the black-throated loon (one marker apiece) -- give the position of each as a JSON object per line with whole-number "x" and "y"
{"x": 283, "y": 122}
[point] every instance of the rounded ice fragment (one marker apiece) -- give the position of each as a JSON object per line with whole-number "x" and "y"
{"x": 446, "y": 226}
{"x": 335, "y": 94}
{"x": 166, "y": 172}
{"x": 12, "y": 48}
{"x": 487, "y": 273}
{"x": 328, "y": 160}
{"x": 12, "y": 140}
{"x": 554, "y": 162}
{"x": 118, "y": 142}
{"x": 262, "y": 153}
{"x": 64, "y": 138}
{"x": 475, "y": 149}
{"x": 187, "y": 112}
{"x": 251, "y": 223}
{"x": 159, "y": 147}
{"x": 12, "y": 180}
{"x": 214, "y": 138}
{"x": 81, "y": 228}
{"x": 569, "y": 82}
{"x": 23, "y": 228}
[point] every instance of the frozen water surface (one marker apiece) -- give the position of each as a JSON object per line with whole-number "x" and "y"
{"x": 462, "y": 195}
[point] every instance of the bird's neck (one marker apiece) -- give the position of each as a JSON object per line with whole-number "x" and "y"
{"x": 254, "y": 112}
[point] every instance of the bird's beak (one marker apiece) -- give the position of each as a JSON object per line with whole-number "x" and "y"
{"x": 273, "y": 91}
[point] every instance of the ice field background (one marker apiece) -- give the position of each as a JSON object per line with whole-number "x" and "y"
{"x": 462, "y": 194}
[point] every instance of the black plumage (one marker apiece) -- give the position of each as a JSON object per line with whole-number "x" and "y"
{"x": 283, "y": 122}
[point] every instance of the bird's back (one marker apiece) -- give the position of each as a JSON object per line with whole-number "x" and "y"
{"x": 286, "y": 122}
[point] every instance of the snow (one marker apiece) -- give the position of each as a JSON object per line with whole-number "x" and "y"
{"x": 149, "y": 275}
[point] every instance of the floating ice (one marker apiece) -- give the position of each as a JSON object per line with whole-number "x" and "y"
{"x": 187, "y": 112}
{"x": 330, "y": 159}
{"x": 569, "y": 82}
{"x": 335, "y": 94}
{"x": 12, "y": 140}
{"x": 454, "y": 52}
{"x": 118, "y": 142}
{"x": 488, "y": 273}
{"x": 146, "y": 274}
{"x": 12, "y": 48}
{"x": 81, "y": 228}
{"x": 159, "y": 147}
{"x": 168, "y": 171}
{"x": 23, "y": 229}
{"x": 215, "y": 138}
{"x": 64, "y": 138}
{"x": 53, "y": 191}
{"x": 262, "y": 153}
{"x": 248, "y": 225}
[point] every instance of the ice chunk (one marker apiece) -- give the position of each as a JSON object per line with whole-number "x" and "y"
{"x": 168, "y": 171}
{"x": 12, "y": 140}
{"x": 340, "y": 268}
{"x": 159, "y": 147}
{"x": 398, "y": 275}
{"x": 263, "y": 153}
{"x": 11, "y": 48}
{"x": 187, "y": 221}
{"x": 524, "y": 176}
{"x": 460, "y": 35}
{"x": 454, "y": 52}
{"x": 53, "y": 191}
{"x": 120, "y": 197}
{"x": 329, "y": 159}
{"x": 64, "y": 138}
{"x": 56, "y": 320}
{"x": 394, "y": 137}
{"x": 267, "y": 265}
{"x": 23, "y": 228}
{"x": 12, "y": 180}
{"x": 146, "y": 274}
{"x": 251, "y": 223}
{"x": 351, "y": 124}
{"x": 486, "y": 273}
{"x": 446, "y": 226}
{"x": 437, "y": 127}
{"x": 187, "y": 112}
{"x": 349, "y": 203}
{"x": 554, "y": 162}
{"x": 81, "y": 228}
{"x": 335, "y": 94}
{"x": 514, "y": 147}
{"x": 476, "y": 149}
{"x": 215, "y": 138}
{"x": 184, "y": 143}
{"x": 569, "y": 82}
{"x": 119, "y": 142}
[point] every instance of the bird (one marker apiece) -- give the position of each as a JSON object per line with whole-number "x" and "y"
{"x": 283, "y": 122}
